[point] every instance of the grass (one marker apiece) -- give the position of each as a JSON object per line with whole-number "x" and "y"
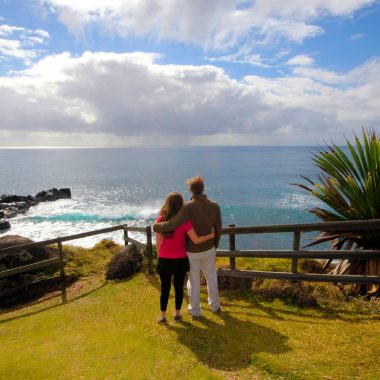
{"x": 108, "y": 330}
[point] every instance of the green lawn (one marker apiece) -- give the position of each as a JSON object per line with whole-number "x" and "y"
{"x": 109, "y": 331}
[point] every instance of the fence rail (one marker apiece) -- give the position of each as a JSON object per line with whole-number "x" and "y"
{"x": 352, "y": 225}
{"x": 296, "y": 253}
{"x": 302, "y": 276}
{"x": 301, "y": 254}
{"x": 59, "y": 261}
{"x": 232, "y": 231}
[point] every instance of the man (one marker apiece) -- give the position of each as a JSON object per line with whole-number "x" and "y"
{"x": 204, "y": 214}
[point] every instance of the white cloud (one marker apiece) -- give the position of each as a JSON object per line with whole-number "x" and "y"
{"x": 243, "y": 56}
{"x": 6, "y": 30}
{"x": 300, "y": 60}
{"x": 357, "y": 36}
{"x": 12, "y": 48}
{"x": 320, "y": 75}
{"x": 132, "y": 98}
{"x": 21, "y": 43}
{"x": 216, "y": 24}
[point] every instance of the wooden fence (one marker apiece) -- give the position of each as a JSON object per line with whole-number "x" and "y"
{"x": 59, "y": 261}
{"x": 294, "y": 254}
{"x": 297, "y": 253}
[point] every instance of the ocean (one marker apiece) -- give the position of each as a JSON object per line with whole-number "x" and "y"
{"x": 111, "y": 186}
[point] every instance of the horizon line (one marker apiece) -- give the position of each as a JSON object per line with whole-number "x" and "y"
{"x": 157, "y": 146}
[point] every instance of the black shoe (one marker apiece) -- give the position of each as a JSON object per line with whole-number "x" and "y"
{"x": 162, "y": 320}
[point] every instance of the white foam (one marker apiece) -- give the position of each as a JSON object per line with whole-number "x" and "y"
{"x": 68, "y": 217}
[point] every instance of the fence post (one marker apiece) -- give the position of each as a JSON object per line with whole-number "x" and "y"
{"x": 149, "y": 249}
{"x": 232, "y": 247}
{"x": 125, "y": 228}
{"x": 296, "y": 247}
{"x": 62, "y": 272}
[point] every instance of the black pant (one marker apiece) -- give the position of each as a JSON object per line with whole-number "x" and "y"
{"x": 166, "y": 269}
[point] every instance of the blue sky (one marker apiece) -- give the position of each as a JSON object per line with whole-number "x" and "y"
{"x": 223, "y": 72}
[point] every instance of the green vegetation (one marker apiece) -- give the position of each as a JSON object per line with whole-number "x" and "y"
{"x": 83, "y": 262}
{"x": 350, "y": 188}
{"x": 108, "y": 330}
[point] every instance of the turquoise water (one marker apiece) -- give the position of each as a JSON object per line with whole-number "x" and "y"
{"x": 253, "y": 185}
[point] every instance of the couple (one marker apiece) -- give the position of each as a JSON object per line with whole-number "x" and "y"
{"x": 186, "y": 238}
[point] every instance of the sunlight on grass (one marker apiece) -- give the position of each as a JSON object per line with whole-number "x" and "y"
{"x": 109, "y": 331}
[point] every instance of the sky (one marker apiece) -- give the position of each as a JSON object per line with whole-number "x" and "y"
{"x": 179, "y": 72}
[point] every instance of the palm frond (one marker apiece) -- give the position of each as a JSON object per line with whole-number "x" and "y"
{"x": 349, "y": 185}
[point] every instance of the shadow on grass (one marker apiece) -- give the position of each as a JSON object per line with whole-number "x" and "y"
{"x": 230, "y": 344}
{"x": 48, "y": 307}
{"x": 153, "y": 280}
{"x": 322, "y": 313}
{"x": 55, "y": 295}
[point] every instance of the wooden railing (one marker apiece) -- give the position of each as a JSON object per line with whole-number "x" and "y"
{"x": 59, "y": 261}
{"x": 294, "y": 254}
{"x": 297, "y": 253}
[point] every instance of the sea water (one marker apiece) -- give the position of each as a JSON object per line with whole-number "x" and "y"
{"x": 110, "y": 186}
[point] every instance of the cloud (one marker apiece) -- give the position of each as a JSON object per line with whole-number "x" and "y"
{"x": 217, "y": 25}
{"x": 300, "y": 60}
{"x": 243, "y": 56}
{"x": 21, "y": 43}
{"x": 6, "y": 30}
{"x": 357, "y": 36}
{"x": 132, "y": 98}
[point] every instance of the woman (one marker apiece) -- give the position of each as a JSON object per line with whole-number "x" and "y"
{"x": 172, "y": 257}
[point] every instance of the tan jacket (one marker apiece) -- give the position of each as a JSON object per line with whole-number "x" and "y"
{"x": 204, "y": 214}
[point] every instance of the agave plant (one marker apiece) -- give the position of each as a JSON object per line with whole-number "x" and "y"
{"x": 349, "y": 186}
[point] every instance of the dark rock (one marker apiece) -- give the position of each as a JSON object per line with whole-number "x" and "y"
{"x": 21, "y": 292}
{"x": 65, "y": 193}
{"x": 32, "y": 201}
{"x": 15, "y": 208}
{"x": 4, "y": 224}
{"x": 12, "y": 205}
{"x": 124, "y": 263}
{"x": 24, "y": 257}
{"x": 13, "y": 198}
{"x": 20, "y": 287}
{"x": 47, "y": 195}
{"x": 53, "y": 194}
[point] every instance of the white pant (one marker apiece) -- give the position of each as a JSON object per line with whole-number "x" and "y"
{"x": 204, "y": 261}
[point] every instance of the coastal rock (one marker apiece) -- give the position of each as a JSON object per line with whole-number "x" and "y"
{"x": 21, "y": 287}
{"x": 13, "y": 209}
{"x": 12, "y": 205}
{"x": 24, "y": 257}
{"x": 124, "y": 263}
{"x": 53, "y": 194}
{"x": 6, "y": 198}
{"x": 65, "y": 193}
{"x": 4, "y": 224}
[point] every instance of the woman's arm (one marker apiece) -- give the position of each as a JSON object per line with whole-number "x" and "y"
{"x": 158, "y": 242}
{"x": 199, "y": 239}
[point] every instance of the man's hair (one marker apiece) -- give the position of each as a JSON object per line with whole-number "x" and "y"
{"x": 196, "y": 185}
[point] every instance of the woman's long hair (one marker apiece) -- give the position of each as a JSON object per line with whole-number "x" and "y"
{"x": 172, "y": 205}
